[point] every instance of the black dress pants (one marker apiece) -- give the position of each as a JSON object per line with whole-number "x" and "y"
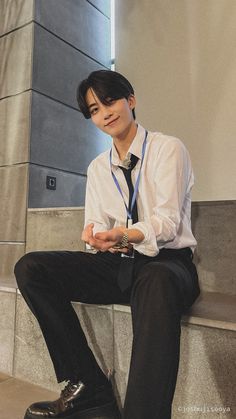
{"x": 163, "y": 288}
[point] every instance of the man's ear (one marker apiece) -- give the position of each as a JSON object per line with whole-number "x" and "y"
{"x": 131, "y": 101}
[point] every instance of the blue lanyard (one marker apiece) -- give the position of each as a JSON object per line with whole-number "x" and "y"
{"x": 129, "y": 213}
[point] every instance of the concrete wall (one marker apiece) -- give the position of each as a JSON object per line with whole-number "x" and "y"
{"x": 46, "y": 48}
{"x": 180, "y": 57}
{"x": 16, "y": 39}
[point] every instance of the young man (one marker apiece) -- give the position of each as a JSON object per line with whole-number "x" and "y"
{"x": 137, "y": 218}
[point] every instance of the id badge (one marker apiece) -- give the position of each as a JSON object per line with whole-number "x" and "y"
{"x": 130, "y": 222}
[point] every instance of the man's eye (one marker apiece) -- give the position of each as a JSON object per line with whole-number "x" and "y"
{"x": 93, "y": 111}
{"x": 110, "y": 101}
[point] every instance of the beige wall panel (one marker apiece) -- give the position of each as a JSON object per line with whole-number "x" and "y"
{"x": 97, "y": 323}
{"x": 206, "y": 378}
{"x": 16, "y": 61}
{"x": 31, "y": 359}
{"x": 14, "y": 13}
{"x": 123, "y": 335}
{"x": 180, "y": 57}
{"x": 10, "y": 253}
{"x": 13, "y": 201}
{"x": 7, "y": 330}
{"x": 55, "y": 229}
{"x": 15, "y": 129}
{"x": 214, "y": 226}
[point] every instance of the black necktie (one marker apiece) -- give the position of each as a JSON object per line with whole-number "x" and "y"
{"x": 126, "y": 266}
{"x": 127, "y": 174}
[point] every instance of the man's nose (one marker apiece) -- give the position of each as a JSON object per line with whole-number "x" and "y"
{"x": 107, "y": 112}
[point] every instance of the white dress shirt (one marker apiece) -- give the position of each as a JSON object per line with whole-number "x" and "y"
{"x": 163, "y": 199}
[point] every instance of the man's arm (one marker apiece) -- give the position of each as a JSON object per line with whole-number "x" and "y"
{"x": 108, "y": 239}
{"x": 173, "y": 181}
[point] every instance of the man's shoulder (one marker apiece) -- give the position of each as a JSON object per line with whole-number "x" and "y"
{"x": 102, "y": 160}
{"x": 159, "y": 140}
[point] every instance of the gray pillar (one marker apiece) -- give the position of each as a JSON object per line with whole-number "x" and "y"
{"x": 46, "y": 48}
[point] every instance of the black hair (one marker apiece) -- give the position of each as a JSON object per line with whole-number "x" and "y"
{"x": 107, "y": 85}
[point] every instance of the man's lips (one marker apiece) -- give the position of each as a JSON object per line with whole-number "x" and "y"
{"x": 111, "y": 122}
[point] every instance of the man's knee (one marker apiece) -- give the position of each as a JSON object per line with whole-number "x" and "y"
{"x": 157, "y": 281}
{"x": 24, "y": 268}
{"x": 156, "y": 275}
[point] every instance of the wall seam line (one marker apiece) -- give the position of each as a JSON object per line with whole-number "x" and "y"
{"x": 71, "y": 45}
{"x": 57, "y": 168}
{"x": 16, "y": 29}
{"x": 95, "y": 7}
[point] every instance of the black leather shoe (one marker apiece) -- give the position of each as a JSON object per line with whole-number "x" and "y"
{"x": 78, "y": 401}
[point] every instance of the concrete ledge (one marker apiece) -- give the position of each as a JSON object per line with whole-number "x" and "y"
{"x": 211, "y": 309}
{"x": 7, "y": 288}
{"x": 215, "y": 310}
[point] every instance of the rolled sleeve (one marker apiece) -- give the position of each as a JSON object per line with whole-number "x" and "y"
{"x": 148, "y": 246}
{"x": 171, "y": 186}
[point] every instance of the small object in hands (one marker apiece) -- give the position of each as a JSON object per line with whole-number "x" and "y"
{"x": 124, "y": 242}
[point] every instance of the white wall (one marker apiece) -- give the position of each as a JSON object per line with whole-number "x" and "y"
{"x": 180, "y": 55}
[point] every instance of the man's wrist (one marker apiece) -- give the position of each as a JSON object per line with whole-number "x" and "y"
{"x": 124, "y": 241}
{"x": 130, "y": 235}
{"x": 135, "y": 235}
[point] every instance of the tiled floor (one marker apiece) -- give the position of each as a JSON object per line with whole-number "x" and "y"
{"x": 17, "y": 395}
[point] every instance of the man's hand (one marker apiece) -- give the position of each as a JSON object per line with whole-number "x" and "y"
{"x": 87, "y": 233}
{"x": 112, "y": 237}
{"x": 103, "y": 241}
{"x": 88, "y": 237}
{"x": 106, "y": 240}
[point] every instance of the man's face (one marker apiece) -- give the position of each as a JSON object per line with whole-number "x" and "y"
{"x": 113, "y": 119}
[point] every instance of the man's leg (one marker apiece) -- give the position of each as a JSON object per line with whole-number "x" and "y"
{"x": 49, "y": 281}
{"x": 161, "y": 292}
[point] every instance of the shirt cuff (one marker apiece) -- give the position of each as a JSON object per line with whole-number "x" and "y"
{"x": 148, "y": 246}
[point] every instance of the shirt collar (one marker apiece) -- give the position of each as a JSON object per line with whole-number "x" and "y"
{"x": 135, "y": 147}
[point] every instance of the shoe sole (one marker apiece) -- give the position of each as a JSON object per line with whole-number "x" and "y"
{"x": 108, "y": 411}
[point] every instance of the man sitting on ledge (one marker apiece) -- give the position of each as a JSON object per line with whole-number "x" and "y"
{"x": 137, "y": 219}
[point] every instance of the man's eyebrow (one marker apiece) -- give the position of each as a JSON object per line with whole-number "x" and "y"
{"x": 92, "y": 104}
